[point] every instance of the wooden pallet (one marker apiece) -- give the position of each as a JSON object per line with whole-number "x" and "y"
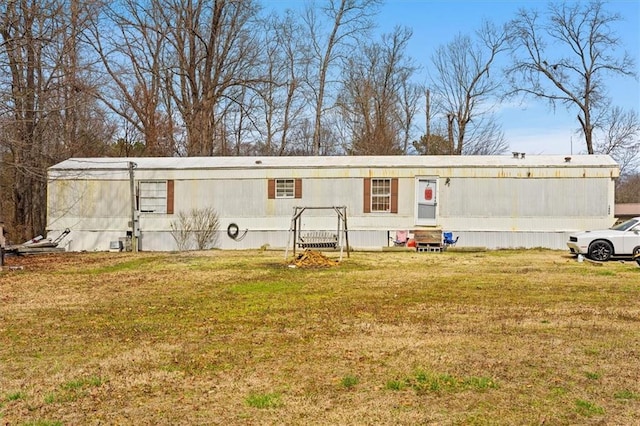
{"x": 428, "y": 240}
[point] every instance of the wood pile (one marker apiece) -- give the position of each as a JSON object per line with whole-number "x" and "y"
{"x": 313, "y": 259}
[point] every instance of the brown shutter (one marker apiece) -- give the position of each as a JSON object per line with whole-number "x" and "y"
{"x": 298, "y": 188}
{"x": 367, "y": 195}
{"x": 394, "y": 195}
{"x": 271, "y": 189}
{"x": 170, "y": 197}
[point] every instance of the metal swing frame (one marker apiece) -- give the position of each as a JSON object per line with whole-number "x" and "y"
{"x": 318, "y": 241}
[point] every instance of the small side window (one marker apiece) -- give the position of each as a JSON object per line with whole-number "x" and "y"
{"x": 152, "y": 196}
{"x": 284, "y": 188}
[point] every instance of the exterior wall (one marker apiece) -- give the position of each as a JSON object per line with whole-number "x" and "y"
{"x": 88, "y": 205}
{"x": 494, "y": 206}
{"x": 517, "y": 239}
{"x": 518, "y": 204}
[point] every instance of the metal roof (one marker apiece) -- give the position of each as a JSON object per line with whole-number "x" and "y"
{"x": 449, "y": 161}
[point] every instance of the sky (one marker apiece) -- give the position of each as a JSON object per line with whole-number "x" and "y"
{"x": 531, "y": 127}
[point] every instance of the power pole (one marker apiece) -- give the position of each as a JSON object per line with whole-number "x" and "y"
{"x": 428, "y": 116}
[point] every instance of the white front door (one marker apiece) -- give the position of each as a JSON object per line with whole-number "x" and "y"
{"x": 426, "y": 200}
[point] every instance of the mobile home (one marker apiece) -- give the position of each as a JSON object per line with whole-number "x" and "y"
{"x": 507, "y": 201}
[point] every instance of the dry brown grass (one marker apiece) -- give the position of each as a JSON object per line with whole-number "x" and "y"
{"x": 505, "y": 337}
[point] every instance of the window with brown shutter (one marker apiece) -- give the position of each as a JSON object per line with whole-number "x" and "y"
{"x": 380, "y": 195}
{"x": 284, "y": 188}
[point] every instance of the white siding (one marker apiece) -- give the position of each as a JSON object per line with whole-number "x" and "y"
{"x": 88, "y": 204}
{"x": 495, "y": 201}
{"x": 518, "y": 197}
{"x": 507, "y": 240}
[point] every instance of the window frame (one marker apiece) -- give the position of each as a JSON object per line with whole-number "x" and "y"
{"x": 380, "y": 195}
{"x": 285, "y": 188}
{"x": 157, "y": 199}
{"x": 273, "y": 190}
{"x": 369, "y": 195}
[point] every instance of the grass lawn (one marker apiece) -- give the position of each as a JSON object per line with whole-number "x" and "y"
{"x": 239, "y": 337}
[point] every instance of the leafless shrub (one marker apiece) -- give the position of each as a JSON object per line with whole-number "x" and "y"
{"x": 201, "y": 225}
{"x": 181, "y": 231}
{"x": 204, "y": 226}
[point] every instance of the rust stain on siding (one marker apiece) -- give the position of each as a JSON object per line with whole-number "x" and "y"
{"x": 270, "y": 208}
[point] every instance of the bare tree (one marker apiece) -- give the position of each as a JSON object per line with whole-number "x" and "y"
{"x": 628, "y": 188}
{"x": 377, "y": 101}
{"x": 349, "y": 20}
{"x": 485, "y": 137}
{"x": 300, "y": 140}
{"x": 237, "y": 114}
{"x": 585, "y": 52}
{"x": 47, "y": 104}
{"x": 130, "y": 46}
{"x": 464, "y": 87}
{"x": 211, "y": 48}
{"x": 621, "y": 139}
{"x": 22, "y": 60}
{"x": 433, "y": 142}
{"x": 280, "y": 101}
{"x": 410, "y": 97}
